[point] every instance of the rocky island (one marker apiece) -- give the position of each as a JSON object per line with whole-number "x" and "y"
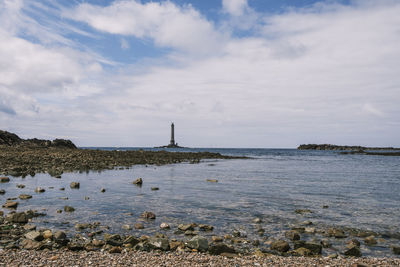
{"x": 354, "y": 150}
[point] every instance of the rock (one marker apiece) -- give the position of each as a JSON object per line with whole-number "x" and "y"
{"x": 75, "y": 245}
{"x": 75, "y": 185}
{"x": 81, "y": 226}
{"x": 103, "y": 190}
{"x": 280, "y": 245}
{"x": 396, "y": 250}
{"x": 25, "y": 196}
{"x": 47, "y": 234}
{"x": 292, "y": 235}
{"x": 138, "y": 181}
{"x": 4, "y": 179}
{"x": 39, "y": 189}
{"x": 219, "y": 248}
{"x": 30, "y": 244}
{"x": 60, "y": 235}
{"x": 337, "y": 233}
{"x": 165, "y": 226}
{"x": 198, "y": 242}
{"x": 20, "y": 186}
{"x": 10, "y": 205}
{"x": 212, "y": 180}
{"x": 310, "y": 230}
{"x": 257, "y": 220}
{"x": 325, "y": 206}
{"x": 62, "y": 188}
{"x": 17, "y": 217}
{"x": 353, "y": 251}
{"x": 87, "y": 198}
{"x": 159, "y": 243}
{"x": 303, "y": 252}
{"x": 302, "y": 211}
{"x": 370, "y": 240}
{"x": 115, "y": 250}
{"x": 34, "y": 235}
{"x": 216, "y": 238}
{"x": 2, "y": 191}
{"x": 185, "y": 227}
{"x": 206, "y": 227}
{"x": 59, "y": 211}
{"x": 353, "y": 242}
{"x": 69, "y": 209}
{"x": 148, "y": 215}
{"x": 29, "y": 227}
{"x": 138, "y": 226}
{"x": 190, "y": 232}
{"x": 131, "y": 240}
{"x": 325, "y": 243}
{"x": 315, "y": 248}
{"x": 174, "y": 245}
{"x": 98, "y": 243}
{"x": 113, "y": 239}
{"x": 126, "y": 227}
{"x": 155, "y": 188}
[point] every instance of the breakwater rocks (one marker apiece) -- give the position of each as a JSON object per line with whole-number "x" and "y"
{"x": 24, "y": 161}
{"x": 362, "y": 152}
{"x": 336, "y": 147}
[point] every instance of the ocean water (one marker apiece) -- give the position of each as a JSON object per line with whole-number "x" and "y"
{"x": 360, "y": 191}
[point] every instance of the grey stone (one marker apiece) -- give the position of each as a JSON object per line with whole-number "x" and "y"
{"x": 159, "y": 243}
{"x": 280, "y": 245}
{"x": 198, "y": 242}
{"x": 34, "y": 235}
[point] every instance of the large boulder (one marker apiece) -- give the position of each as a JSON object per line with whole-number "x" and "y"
{"x": 198, "y": 242}
{"x": 280, "y": 245}
{"x": 159, "y": 243}
{"x": 17, "y": 217}
{"x": 219, "y": 248}
{"x": 9, "y": 139}
{"x": 63, "y": 143}
{"x": 315, "y": 248}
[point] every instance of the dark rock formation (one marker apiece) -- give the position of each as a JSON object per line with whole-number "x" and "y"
{"x": 336, "y": 147}
{"x": 11, "y": 139}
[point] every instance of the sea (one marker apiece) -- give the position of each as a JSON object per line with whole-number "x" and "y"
{"x": 355, "y": 191}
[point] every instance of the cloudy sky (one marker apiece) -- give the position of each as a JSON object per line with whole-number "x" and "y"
{"x": 229, "y": 73}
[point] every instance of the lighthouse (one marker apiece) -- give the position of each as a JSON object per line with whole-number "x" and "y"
{"x": 172, "y": 142}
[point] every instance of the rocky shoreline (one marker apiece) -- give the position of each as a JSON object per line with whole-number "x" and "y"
{"x": 336, "y": 147}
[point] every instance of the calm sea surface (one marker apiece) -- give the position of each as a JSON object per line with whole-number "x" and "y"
{"x": 361, "y": 192}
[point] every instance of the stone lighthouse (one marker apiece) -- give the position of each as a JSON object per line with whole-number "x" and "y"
{"x": 172, "y": 142}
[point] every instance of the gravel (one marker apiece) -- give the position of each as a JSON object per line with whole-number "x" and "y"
{"x": 83, "y": 258}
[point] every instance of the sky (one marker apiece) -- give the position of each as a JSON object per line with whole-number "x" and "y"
{"x": 228, "y": 73}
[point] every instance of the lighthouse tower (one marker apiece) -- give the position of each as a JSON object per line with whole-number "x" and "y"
{"x": 172, "y": 142}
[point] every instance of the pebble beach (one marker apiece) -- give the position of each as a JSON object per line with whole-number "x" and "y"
{"x": 68, "y": 258}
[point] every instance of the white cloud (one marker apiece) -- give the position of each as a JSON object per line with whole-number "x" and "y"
{"x": 235, "y": 7}
{"x": 165, "y": 23}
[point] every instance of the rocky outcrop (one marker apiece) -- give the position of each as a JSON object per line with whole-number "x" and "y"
{"x": 11, "y": 139}
{"x": 336, "y": 147}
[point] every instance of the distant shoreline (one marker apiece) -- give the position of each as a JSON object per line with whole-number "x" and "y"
{"x": 337, "y": 147}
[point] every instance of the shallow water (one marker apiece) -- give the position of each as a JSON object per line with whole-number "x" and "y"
{"x": 361, "y": 192}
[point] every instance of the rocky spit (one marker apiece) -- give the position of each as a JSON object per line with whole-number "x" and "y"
{"x": 125, "y": 258}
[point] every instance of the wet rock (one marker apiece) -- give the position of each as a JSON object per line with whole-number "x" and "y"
{"x": 159, "y": 243}
{"x": 25, "y": 196}
{"x": 10, "y": 205}
{"x": 2, "y": 191}
{"x": 353, "y": 242}
{"x": 76, "y": 245}
{"x": 138, "y": 226}
{"x": 292, "y": 235}
{"x": 29, "y": 227}
{"x": 370, "y": 240}
{"x": 60, "y": 235}
{"x": 302, "y": 211}
{"x": 69, "y": 209}
{"x": 103, "y": 190}
{"x": 30, "y": 244}
{"x": 261, "y": 232}
{"x": 212, "y": 180}
{"x": 126, "y": 227}
{"x": 98, "y": 243}
{"x": 206, "y": 227}
{"x": 280, "y": 245}
{"x": 34, "y": 235}
{"x": 337, "y": 233}
{"x": 186, "y": 227}
{"x": 396, "y": 250}
{"x": 47, "y": 234}
{"x": 148, "y": 215}
{"x": 325, "y": 206}
{"x": 59, "y": 211}
{"x": 219, "y": 248}
{"x": 198, "y": 242}
{"x": 138, "y": 181}
{"x": 62, "y": 188}
{"x": 353, "y": 251}
{"x": 4, "y": 179}
{"x": 20, "y": 186}
{"x": 87, "y": 198}
{"x": 131, "y": 240}
{"x": 314, "y": 247}
{"x": 174, "y": 245}
{"x": 155, "y": 188}
{"x": 310, "y": 230}
{"x": 115, "y": 250}
{"x": 303, "y": 252}
{"x": 39, "y": 189}
{"x": 75, "y": 185}
{"x": 257, "y": 220}
{"x": 216, "y": 238}
{"x": 81, "y": 226}
{"x": 17, "y": 217}
{"x": 165, "y": 226}
{"x": 113, "y": 239}
{"x": 190, "y": 232}
{"x": 325, "y": 243}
